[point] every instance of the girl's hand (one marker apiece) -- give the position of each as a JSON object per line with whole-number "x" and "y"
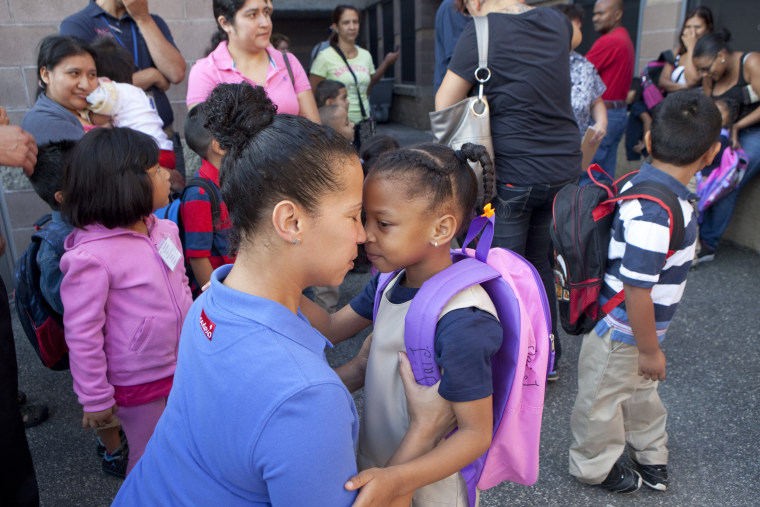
{"x": 96, "y": 420}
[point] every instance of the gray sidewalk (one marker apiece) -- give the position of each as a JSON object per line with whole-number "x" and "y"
{"x": 711, "y": 393}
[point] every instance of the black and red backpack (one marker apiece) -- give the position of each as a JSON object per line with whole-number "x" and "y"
{"x": 581, "y": 230}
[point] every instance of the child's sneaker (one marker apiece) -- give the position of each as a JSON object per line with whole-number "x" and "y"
{"x": 654, "y": 476}
{"x": 116, "y": 464}
{"x": 100, "y": 449}
{"x": 622, "y": 480}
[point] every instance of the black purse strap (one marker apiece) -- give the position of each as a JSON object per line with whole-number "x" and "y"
{"x": 356, "y": 81}
{"x": 290, "y": 70}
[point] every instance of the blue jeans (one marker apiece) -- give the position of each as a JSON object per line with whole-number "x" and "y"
{"x": 606, "y": 155}
{"x": 717, "y": 217}
{"x": 523, "y": 217}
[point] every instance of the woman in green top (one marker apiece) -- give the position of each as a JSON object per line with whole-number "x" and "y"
{"x": 333, "y": 63}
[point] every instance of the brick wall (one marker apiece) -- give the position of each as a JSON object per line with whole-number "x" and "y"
{"x": 660, "y": 26}
{"x": 24, "y": 22}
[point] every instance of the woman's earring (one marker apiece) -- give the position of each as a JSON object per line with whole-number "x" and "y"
{"x": 296, "y": 241}
{"x": 434, "y": 243}
{"x": 722, "y": 60}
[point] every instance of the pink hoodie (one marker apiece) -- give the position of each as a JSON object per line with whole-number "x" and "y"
{"x": 123, "y": 309}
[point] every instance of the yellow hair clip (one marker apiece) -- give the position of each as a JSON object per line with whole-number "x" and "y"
{"x": 488, "y": 211}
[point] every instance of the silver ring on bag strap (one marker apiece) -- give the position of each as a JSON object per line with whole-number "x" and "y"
{"x": 481, "y": 34}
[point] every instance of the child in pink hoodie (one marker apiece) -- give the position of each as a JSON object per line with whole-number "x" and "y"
{"x": 124, "y": 291}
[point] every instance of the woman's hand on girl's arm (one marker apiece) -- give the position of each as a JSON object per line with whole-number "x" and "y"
{"x": 453, "y": 89}
{"x": 432, "y": 418}
{"x": 307, "y": 106}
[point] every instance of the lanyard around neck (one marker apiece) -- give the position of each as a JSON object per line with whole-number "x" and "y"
{"x": 118, "y": 39}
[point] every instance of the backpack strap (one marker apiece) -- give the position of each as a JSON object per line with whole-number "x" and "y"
{"x": 209, "y": 188}
{"x": 425, "y": 309}
{"x": 382, "y": 282}
{"x": 662, "y": 195}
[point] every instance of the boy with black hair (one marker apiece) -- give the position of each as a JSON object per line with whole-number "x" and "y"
{"x": 47, "y": 182}
{"x": 621, "y": 362}
{"x": 331, "y": 93}
{"x": 205, "y": 242}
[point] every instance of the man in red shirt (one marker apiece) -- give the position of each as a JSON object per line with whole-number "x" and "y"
{"x": 612, "y": 54}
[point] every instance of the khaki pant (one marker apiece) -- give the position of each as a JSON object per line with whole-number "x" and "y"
{"x": 615, "y": 406}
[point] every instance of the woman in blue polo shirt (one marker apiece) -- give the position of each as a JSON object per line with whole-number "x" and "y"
{"x": 256, "y": 416}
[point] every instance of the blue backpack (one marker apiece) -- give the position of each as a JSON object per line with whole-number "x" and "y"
{"x": 171, "y": 210}
{"x": 42, "y": 325}
{"x": 519, "y": 368}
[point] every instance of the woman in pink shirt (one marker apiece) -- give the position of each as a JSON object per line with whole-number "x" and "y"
{"x": 242, "y": 52}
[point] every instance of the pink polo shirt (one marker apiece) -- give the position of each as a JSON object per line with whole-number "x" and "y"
{"x": 218, "y": 67}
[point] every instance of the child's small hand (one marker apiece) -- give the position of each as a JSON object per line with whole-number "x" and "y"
{"x": 99, "y": 419}
{"x": 652, "y": 365}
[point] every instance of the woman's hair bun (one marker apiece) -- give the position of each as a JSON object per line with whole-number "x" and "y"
{"x": 725, "y": 34}
{"x": 236, "y": 112}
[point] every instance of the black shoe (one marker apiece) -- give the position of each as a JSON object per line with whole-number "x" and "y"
{"x": 622, "y": 480}
{"x": 32, "y": 415}
{"x": 116, "y": 464}
{"x": 654, "y": 476}
{"x": 552, "y": 376}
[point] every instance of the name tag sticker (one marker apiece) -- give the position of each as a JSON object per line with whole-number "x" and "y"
{"x": 169, "y": 253}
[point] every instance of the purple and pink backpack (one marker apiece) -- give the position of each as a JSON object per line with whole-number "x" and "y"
{"x": 519, "y": 368}
{"x": 721, "y": 180}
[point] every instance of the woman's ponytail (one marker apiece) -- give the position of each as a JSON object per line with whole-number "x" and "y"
{"x": 236, "y": 112}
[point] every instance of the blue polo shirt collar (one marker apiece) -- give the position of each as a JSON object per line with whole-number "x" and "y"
{"x": 648, "y": 172}
{"x": 222, "y": 299}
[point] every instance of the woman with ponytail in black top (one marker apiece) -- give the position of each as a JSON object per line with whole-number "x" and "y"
{"x": 241, "y": 51}
{"x": 735, "y": 77}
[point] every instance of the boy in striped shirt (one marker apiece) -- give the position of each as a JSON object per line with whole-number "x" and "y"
{"x": 621, "y": 363}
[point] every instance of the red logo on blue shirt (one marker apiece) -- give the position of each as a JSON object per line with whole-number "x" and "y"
{"x": 207, "y": 326}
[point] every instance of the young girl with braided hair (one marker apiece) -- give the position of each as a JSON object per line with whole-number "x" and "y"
{"x": 417, "y": 200}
